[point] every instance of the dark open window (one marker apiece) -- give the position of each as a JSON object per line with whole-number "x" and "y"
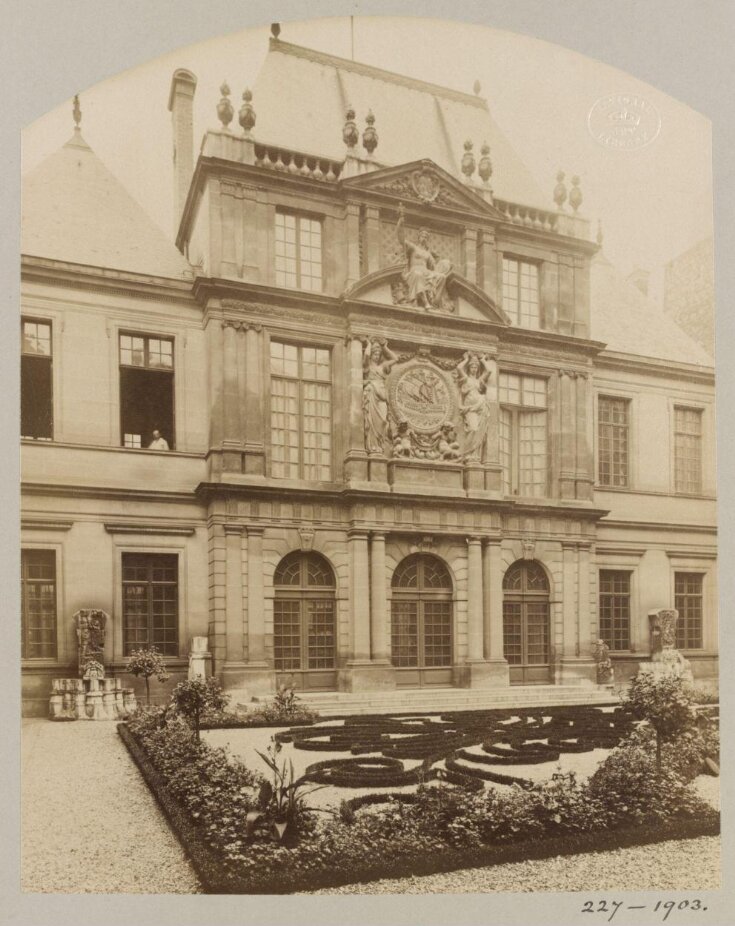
{"x": 146, "y": 390}
{"x": 36, "y": 391}
{"x": 151, "y": 601}
{"x": 38, "y": 604}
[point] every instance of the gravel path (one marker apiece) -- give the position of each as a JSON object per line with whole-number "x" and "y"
{"x": 686, "y": 865}
{"x": 89, "y": 822}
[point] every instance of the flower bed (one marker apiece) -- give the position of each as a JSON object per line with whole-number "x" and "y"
{"x": 439, "y": 828}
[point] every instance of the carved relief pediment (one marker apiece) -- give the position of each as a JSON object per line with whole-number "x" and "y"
{"x": 426, "y": 183}
{"x": 460, "y": 297}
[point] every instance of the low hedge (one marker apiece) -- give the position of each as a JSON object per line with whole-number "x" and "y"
{"x": 393, "y": 858}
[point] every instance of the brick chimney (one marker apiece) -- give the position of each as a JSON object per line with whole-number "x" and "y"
{"x": 180, "y": 105}
{"x": 639, "y": 279}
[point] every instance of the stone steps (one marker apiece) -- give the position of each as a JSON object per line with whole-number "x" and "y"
{"x": 428, "y": 700}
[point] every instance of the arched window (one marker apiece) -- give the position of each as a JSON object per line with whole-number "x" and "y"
{"x": 421, "y": 621}
{"x": 526, "y": 630}
{"x": 304, "y": 621}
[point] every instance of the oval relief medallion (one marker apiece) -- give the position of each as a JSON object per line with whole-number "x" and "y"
{"x": 421, "y": 395}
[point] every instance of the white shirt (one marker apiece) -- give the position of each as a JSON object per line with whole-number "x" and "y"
{"x": 160, "y": 443}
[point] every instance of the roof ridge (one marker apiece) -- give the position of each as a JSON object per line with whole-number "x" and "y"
{"x": 369, "y": 70}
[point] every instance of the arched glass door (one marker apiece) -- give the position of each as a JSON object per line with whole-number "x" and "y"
{"x": 421, "y": 622}
{"x": 526, "y": 630}
{"x": 304, "y": 625}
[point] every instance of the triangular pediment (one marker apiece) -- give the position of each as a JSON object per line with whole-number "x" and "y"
{"x": 426, "y": 183}
{"x": 463, "y": 299}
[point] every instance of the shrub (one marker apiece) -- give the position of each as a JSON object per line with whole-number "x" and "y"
{"x": 285, "y": 707}
{"x": 666, "y": 702}
{"x": 146, "y": 663}
{"x": 196, "y": 696}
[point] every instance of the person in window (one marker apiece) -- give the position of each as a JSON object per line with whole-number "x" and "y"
{"x": 158, "y": 442}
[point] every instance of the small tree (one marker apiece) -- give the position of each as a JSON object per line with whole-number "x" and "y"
{"x": 666, "y": 702}
{"x": 147, "y": 662}
{"x": 194, "y": 697}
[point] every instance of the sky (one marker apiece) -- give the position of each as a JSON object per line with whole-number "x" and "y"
{"x": 653, "y": 203}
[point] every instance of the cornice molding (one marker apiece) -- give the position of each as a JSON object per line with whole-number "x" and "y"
{"x": 631, "y": 363}
{"x": 150, "y": 527}
{"x": 46, "y": 524}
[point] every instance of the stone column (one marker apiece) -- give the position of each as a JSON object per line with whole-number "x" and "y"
{"x": 575, "y": 669}
{"x": 234, "y": 618}
{"x": 215, "y": 336}
{"x": 254, "y": 377}
{"x": 372, "y": 238}
{"x": 378, "y": 600}
{"x": 474, "y": 600}
{"x": 257, "y": 676}
{"x": 583, "y": 477}
{"x": 470, "y": 254}
{"x": 489, "y": 265}
{"x": 232, "y": 443}
{"x": 492, "y": 568}
{"x": 353, "y": 243}
{"x": 356, "y": 459}
{"x": 568, "y": 440}
{"x": 585, "y": 629}
{"x": 359, "y": 597}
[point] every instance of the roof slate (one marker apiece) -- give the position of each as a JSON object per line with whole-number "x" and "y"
{"x": 73, "y": 209}
{"x": 631, "y": 323}
{"x": 414, "y": 119}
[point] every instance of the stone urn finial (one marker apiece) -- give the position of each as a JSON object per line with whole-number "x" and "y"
{"x": 225, "y": 112}
{"x": 370, "y": 136}
{"x": 575, "y": 194}
{"x": 468, "y": 161}
{"x": 560, "y": 190}
{"x": 246, "y": 116}
{"x": 350, "y": 135}
{"x": 485, "y": 167}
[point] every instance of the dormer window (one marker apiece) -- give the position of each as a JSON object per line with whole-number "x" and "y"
{"x": 520, "y": 292}
{"x": 298, "y": 252}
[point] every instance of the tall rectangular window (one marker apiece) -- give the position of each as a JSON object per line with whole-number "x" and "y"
{"x": 36, "y": 389}
{"x": 146, "y": 392}
{"x": 298, "y": 252}
{"x": 521, "y": 292}
{"x": 615, "y": 608}
{"x": 38, "y": 604}
{"x": 688, "y": 450}
{"x": 151, "y": 602}
{"x": 688, "y": 597}
{"x": 523, "y": 441}
{"x": 301, "y": 412}
{"x": 612, "y": 441}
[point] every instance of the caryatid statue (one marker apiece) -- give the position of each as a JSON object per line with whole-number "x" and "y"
{"x": 91, "y": 623}
{"x": 473, "y": 373}
{"x": 377, "y": 362}
{"x": 426, "y": 273}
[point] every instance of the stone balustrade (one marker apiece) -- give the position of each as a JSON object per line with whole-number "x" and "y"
{"x": 530, "y": 216}
{"x": 90, "y": 699}
{"x": 297, "y": 164}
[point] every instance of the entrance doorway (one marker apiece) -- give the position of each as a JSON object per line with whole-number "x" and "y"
{"x": 526, "y": 630}
{"x": 421, "y": 622}
{"x": 304, "y": 622}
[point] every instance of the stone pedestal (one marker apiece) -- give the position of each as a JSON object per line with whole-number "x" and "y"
{"x": 199, "y": 658}
{"x": 577, "y": 670}
{"x": 666, "y": 660}
{"x": 367, "y": 676}
{"x": 487, "y": 674}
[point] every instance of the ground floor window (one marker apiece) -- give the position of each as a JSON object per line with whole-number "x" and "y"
{"x": 615, "y": 608}
{"x": 688, "y": 595}
{"x": 526, "y": 631}
{"x": 304, "y": 614}
{"x": 421, "y": 614}
{"x": 151, "y": 601}
{"x": 38, "y": 604}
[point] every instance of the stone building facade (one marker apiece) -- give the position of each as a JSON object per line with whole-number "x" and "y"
{"x": 405, "y": 445}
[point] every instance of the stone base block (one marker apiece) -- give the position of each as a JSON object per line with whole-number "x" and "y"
{"x": 577, "y": 671}
{"x": 485, "y": 674}
{"x": 244, "y": 681}
{"x": 367, "y": 676}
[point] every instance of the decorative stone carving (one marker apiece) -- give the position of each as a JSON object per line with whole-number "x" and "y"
{"x": 448, "y": 444}
{"x": 225, "y": 111}
{"x": 560, "y": 190}
{"x": 90, "y": 623}
{"x": 403, "y": 441}
{"x": 370, "y": 135}
{"x": 529, "y": 548}
{"x": 246, "y": 117}
{"x": 94, "y": 670}
{"x": 575, "y": 194}
{"x": 601, "y": 654}
{"x": 306, "y": 536}
{"x": 350, "y": 135}
{"x": 665, "y": 657}
{"x": 378, "y": 360}
{"x": 473, "y": 373}
{"x": 468, "y": 161}
{"x": 485, "y": 166}
{"x": 425, "y": 276}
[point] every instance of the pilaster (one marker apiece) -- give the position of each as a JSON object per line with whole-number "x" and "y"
{"x": 356, "y": 458}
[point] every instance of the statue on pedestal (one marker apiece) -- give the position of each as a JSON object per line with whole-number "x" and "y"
{"x": 91, "y": 624}
{"x": 473, "y": 373}
{"x": 377, "y": 362}
{"x": 665, "y": 657}
{"x": 425, "y": 276}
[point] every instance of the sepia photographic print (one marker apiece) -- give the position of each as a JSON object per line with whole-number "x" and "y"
{"x": 368, "y": 480}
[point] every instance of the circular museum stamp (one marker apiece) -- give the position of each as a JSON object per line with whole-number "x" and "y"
{"x": 625, "y": 121}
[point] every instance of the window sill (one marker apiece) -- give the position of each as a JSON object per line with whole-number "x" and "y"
{"x": 115, "y": 448}
{"x": 704, "y": 496}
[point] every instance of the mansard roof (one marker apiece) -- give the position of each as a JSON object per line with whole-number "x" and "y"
{"x": 74, "y": 210}
{"x": 631, "y": 323}
{"x": 301, "y": 97}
